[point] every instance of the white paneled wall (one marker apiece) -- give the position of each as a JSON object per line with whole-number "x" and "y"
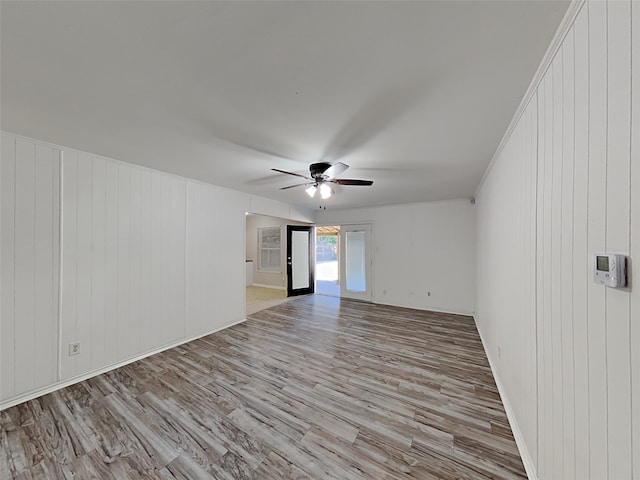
{"x": 213, "y": 257}
{"x": 634, "y": 180}
{"x": 29, "y": 182}
{"x": 586, "y": 200}
{"x": 506, "y": 301}
{"x": 123, "y": 273}
{"x": 423, "y": 253}
{"x": 147, "y": 260}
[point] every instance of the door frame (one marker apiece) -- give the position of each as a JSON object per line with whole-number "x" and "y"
{"x": 311, "y": 237}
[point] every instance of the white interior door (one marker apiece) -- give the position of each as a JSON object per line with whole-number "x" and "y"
{"x": 355, "y": 261}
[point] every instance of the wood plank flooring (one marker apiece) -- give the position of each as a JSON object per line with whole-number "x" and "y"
{"x": 314, "y": 388}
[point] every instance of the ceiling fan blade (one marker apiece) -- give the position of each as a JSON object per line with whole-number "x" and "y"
{"x": 291, "y": 173}
{"x": 347, "y": 181}
{"x": 335, "y": 169}
{"x": 297, "y": 185}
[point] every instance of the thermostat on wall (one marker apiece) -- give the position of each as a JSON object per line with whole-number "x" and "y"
{"x": 610, "y": 269}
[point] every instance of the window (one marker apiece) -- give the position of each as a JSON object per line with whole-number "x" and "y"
{"x": 269, "y": 249}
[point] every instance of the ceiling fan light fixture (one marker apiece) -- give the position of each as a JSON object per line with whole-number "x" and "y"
{"x": 321, "y": 175}
{"x": 311, "y": 191}
{"x": 325, "y": 191}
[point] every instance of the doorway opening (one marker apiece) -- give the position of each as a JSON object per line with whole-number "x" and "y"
{"x": 328, "y": 261}
{"x": 266, "y": 282}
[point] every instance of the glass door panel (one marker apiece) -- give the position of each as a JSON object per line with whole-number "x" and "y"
{"x": 299, "y": 260}
{"x": 355, "y": 262}
{"x": 355, "y": 256}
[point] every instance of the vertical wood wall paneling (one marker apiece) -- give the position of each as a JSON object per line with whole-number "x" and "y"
{"x": 634, "y": 339}
{"x": 84, "y": 261}
{"x": 521, "y": 151}
{"x": 195, "y": 275}
{"x": 566, "y": 255}
{"x": 201, "y": 264}
{"x": 581, "y": 264}
{"x": 178, "y": 245}
{"x": 54, "y": 254}
{"x": 540, "y": 175}
{"x": 124, "y": 261}
{"x": 7, "y": 262}
{"x": 111, "y": 262}
{"x": 146, "y": 262}
{"x": 229, "y": 257}
{"x": 530, "y": 195}
{"x": 213, "y": 257}
{"x": 135, "y": 251}
{"x": 617, "y": 240}
{"x": 545, "y": 268}
{"x": 546, "y": 262}
{"x": 597, "y": 204}
{"x": 99, "y": 326}
{"x": 68, "y": 307}
{"x": 556, "y": 271}
{"x": 124, "y": 269}
{"x": 30, "y": 265}
{"x": 25, "y": 266}
{"x": 168, "y": 297}
{"x": 172, "y": 251}
{"x": 588, "y": 200}
{"x": 44, "y": 271}
{"x": 509, "y": 199}
{"x": 156, "y": 333}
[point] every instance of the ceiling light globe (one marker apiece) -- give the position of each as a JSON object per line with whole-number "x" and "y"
{"x": 325, "y": 191}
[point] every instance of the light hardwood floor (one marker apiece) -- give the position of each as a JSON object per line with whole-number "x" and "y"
{"x": 314, "y": 388}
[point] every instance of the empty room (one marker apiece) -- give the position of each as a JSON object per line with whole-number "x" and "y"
{"x": 320, "y": 239}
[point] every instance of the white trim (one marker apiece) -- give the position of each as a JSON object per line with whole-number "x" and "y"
{"x": 556, "y": 43}
{"x": 264, "y": 285}
{"x": 58, "y": 385}
{"x": 525, "y": 455}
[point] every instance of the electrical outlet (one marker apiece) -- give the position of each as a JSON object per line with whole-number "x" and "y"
{"x": 499, "y": 351}
{"x": 74, "y": 348}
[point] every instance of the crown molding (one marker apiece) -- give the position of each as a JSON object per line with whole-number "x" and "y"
{"x": 567, "y": 22}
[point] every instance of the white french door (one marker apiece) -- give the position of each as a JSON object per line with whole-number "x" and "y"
{"x": 355, "y": 261}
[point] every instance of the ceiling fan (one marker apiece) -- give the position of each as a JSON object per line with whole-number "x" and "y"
{"x": 322, "y": 174}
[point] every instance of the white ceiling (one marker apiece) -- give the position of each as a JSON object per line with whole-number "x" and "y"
{"x": 413, "y": 95}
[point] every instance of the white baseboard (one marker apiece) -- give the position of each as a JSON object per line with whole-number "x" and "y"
{"x": 425, "y": 309}
{"x": 527, "y": 459}
{"x": 275, "y": 287}
{"x": 58, "y": 385}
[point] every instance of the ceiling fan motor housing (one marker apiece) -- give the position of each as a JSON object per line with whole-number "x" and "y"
{"x": 317, "y": 169}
